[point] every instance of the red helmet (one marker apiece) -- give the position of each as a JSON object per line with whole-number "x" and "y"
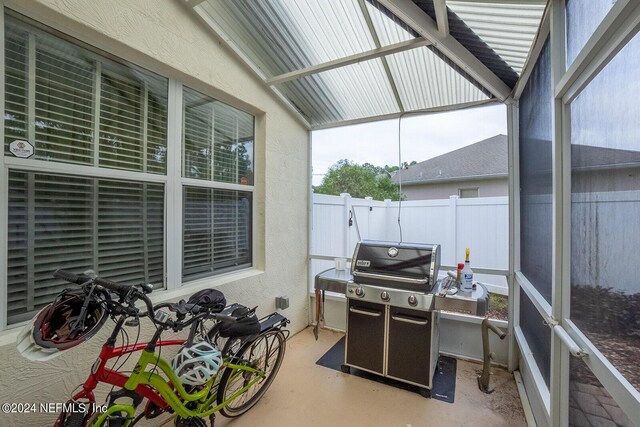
{"x": 70, "y": 320}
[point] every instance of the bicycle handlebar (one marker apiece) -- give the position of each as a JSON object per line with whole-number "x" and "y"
{"x": 71, "y": 277}
{"x": 132, "y": 293}
{"x": 116, "y": 287}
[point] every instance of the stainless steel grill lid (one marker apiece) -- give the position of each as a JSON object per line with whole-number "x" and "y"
{"x": 410, "y": 266}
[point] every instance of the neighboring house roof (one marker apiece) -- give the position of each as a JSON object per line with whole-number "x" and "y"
{"x": 589, "y": 157}
{"x": 484, "y": 159}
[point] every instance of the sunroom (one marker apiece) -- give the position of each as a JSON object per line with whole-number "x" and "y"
{"x": 169, "y": 142}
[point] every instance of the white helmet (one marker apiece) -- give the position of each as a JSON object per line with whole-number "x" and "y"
{"x": 197, "y": 363}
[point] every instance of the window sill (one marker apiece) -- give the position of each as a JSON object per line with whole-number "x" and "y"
{"x": 8, "y": 336}
{"x": 194, "y": 286}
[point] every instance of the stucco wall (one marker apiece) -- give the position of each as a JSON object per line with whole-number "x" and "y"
{"x": 442, "y": 190}
{"x": 164, "y": 36}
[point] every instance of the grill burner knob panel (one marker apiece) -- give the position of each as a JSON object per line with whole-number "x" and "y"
{"x": 360, "y": 292}
{"x": 385, "y": 296}
{"x": 413, "y": 301}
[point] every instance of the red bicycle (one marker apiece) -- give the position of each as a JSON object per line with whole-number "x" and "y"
{"x": 226, "y": 364}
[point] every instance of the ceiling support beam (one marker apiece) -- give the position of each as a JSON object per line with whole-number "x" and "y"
{"x": 392, "y": 116}
{"x": 193, "y": 3}
{"x": 231, "y": 45}
{"x": 348, "y": 60}
{"x": 442, "y": 18}
{"x": 385, "y": 63}
{"x": 417, "y": 19}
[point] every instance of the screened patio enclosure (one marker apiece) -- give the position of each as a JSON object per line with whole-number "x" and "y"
{"x": 568, "y": 72}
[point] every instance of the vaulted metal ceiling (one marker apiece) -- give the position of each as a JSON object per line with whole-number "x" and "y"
{"x": 336, "y": 62}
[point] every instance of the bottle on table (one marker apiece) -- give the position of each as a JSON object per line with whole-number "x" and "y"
{"x": 467, "y": 274}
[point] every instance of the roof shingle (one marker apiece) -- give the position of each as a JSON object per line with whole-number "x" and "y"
{"x": 486, "y": 158}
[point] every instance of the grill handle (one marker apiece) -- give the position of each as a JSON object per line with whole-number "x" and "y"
{"x": 390, "y": 277}
{"x": 365, "y": 312}
{"x": 409, "y": 320}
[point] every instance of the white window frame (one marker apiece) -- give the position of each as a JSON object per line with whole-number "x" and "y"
{"x": 461, "y": 189}
{"x": 619, "y": 26}
{"x": 172, "y": 180}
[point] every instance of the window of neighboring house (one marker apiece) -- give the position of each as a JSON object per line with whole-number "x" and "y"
{"x": 466, "y": 193}
{"x": 217, "y": 169}
{"x": 91, "y": 193}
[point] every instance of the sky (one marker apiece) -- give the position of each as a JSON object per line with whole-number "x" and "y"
{"x": 421, "y": 137}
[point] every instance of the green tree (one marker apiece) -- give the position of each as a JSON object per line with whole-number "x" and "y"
{"x": 359, "y": 181}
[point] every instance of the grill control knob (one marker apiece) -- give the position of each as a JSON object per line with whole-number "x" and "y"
{"x": 413, "y": 301}
{"x": 360, "y": 292}
{"x": 385, "y": 296}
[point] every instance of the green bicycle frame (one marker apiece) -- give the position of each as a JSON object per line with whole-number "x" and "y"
{"x": 176, "y": 400}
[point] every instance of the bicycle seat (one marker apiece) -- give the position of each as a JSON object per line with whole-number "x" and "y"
{"x": 211, "y": 299}
{"x": 247, "y": 323}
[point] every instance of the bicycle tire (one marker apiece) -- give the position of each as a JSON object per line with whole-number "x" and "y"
{"x": 266, "y": 352}
{"x": 74, "y": 420}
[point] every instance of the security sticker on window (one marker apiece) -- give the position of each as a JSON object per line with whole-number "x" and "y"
{"x": 22, "y": 149}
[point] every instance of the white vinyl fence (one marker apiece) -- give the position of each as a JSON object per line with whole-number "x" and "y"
{"x": 482, "y": 224}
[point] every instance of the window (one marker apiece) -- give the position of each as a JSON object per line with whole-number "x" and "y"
{"x": 217, "y": 162}
{"x": 114, "y": 227}
{"x": 467, "y": 193}
{"x": 81, "y": 107}
{"x": 91, "y": 193}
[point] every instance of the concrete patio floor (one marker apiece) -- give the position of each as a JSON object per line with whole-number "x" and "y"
{"x": 305, "y": 394}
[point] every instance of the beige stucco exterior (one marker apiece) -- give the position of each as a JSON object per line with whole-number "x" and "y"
{"x": 167, "y": 38}
{"x": 442, "y": 190}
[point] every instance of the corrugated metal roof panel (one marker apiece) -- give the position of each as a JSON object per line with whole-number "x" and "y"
{"x": 424, "y": 81}
{"x": 286, "y": 35}
{"x": 283, "y": 36}
{"x": 500, "y": 24}
{"x": 389, "y": 28}
{"x": 347, "y": 93}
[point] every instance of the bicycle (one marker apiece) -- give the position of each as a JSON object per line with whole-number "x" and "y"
{"x": 250, "y": 359}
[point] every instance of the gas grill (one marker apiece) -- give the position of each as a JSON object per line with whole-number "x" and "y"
{"x": 392, "y": 329}
{"x": 400, "y": 274}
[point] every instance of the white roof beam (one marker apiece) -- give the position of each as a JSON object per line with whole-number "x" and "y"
{"x": 441, "y": 109}
{"x": 385, "y": 63}
{"x": 442, "y": 18}
{"x": 417, "y": 19}
{"x": 348, "y": 60}
{"x": 226, "y": 40}
{"x": 193, "y": 3}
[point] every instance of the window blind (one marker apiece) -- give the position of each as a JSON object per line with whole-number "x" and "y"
{"x": 83, "y": 103}
{"x": 15, "y": 83}
{"x": 217, "y": 140}
{"x": 216, "y": 231}
{"x": 114, "y": 227}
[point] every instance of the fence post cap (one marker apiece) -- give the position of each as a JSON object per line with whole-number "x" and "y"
{"x": 345, "y": 195}
{"x": 454, "y": 196}
{"x": 368, "y": 198}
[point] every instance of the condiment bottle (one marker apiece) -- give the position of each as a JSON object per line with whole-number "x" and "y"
{"x": 467, "y": 274}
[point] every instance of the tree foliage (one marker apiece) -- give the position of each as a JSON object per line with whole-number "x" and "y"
{"x": 360, "y": 181}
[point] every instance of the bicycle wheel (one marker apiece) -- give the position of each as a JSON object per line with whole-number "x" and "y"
{"x": 265, "y": 353}
{"x": 75, "y": 418}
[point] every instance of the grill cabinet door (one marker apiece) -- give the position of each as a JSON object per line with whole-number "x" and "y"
{"x": 410, "y": 345}
{"x": 365, "y": 335}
